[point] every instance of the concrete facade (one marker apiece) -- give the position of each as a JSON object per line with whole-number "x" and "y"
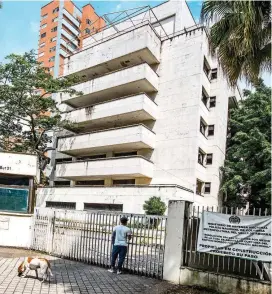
{"x": 162, "y": 77}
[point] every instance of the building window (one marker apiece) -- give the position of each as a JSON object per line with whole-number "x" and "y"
{"x": 44, "y": 16}
{"x": 87, "y": 31}
{"x": 52, "y": 49}
{"x": 41, "y": 63}
{"x": 55, "y": 19}
{"x": 201, "y": 157}
{"x": 203, "y": 127}
{"x": 55, "y": 10}
{"x": 62, "y": 183}
{"x": 44, "y": 26}
{"x": 209, "y": 158}
{"x": 54, "y": 29}
{"x": 42, "y": 45}
{"x": 88, "y": 21}
{"x": 63, "y": 160}
{"x": 212, "y": 102}
{"x": 61, "y": 205}
{"x": 205, "y": 97}
{"x": 53, "y": 39}
{"x": 207, "y": 188}
{"x": 206, "y": 67}
{"x": 123, "y": 182}
{"x": 90, "y": 157}
{"x": 210, "y": 130}
{"x": 14, "y": 181}
{"x": 103, "y": 206}
{"x": 199, "y": 186}
{"x": 51, "y": 68}
{"x": 51, "y": 59}
{"x": 214, "y": 74}
{"x": 90, "y": 183}
{"x": 41, "y": 54}
{"x": 120, "y": 154}
{"x": 43, "y": 35}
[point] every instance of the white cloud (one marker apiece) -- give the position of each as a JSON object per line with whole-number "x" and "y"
{"x": 34, "y": 26}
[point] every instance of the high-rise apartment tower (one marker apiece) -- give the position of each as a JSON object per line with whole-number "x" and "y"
{"x": 63, "y": 28}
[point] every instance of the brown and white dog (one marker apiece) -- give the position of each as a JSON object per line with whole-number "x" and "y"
{"x": 33, "y": 264}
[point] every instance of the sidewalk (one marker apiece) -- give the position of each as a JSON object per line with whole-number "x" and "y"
{"x": 70, "y": 277}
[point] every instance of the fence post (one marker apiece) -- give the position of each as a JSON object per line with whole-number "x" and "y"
{"x": 174, "y": 240}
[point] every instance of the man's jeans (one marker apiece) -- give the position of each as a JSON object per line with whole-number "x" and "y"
{"x": 122, "y": 252}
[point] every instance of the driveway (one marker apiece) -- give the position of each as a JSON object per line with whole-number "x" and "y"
{"x": 70, "y": 277}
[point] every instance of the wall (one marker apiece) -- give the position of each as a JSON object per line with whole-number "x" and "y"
{"x": 223, "y": 283}
{"x": 132, "y": 198}
{"x": 15, "y": 230}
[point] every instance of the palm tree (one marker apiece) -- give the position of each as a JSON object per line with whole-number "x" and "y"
{"x": 240, "y": 34}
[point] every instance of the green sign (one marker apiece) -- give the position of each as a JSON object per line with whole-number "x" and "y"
{"x": 14, "y": 199}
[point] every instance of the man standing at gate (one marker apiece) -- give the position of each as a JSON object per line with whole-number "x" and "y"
{"x": 120, "y": 236}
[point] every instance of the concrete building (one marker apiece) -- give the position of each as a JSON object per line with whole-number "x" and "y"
{"x": 63, "y": 28}
{"x": 151, "y": 119}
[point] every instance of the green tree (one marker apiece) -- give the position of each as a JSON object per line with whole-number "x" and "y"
{"x": 240, "y": 34}
{"x": 29, "y": 115}
{"x": 247, "y": 170}
{"x": 154, "y": 206}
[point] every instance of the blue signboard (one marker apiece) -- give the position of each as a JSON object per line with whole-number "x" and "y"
{"x": 14, "y": 199}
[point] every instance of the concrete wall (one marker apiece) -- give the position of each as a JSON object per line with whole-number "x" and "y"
{"x": 132, "y": 198}
{"x": 15, "y": 230}
{"x": 223, "y": 283}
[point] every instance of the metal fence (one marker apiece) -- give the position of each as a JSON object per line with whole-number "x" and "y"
{"x": 217, "y": 263}
{"x": 86, "y": 236}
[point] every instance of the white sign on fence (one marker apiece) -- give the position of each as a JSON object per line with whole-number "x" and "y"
{"x": 246, "y": 237}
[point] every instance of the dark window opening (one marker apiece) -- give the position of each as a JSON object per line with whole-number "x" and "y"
{"x": 88, "y": 21}
{"x": 211, "y": 130}
{"x": 87, "y": 31}
{"x": 61, "y": 205}
{"x": 97, "y": 156}
{"x": 43, "y": 35}
{"x": 207, "y": 188}
{"x": 212, "y": 101}
{"x": 90, "y": 183}
{"x": 62, "y": 183}
{"x": 14, "y": 181}
{"x": 103, "y": 206}
{"x": 63, "y": 160}
{"x": 125, "y": 154}
{"x": 203, "y": 127}
{"x": 206, "y": 67}
{"x": 201, "y": 156}
{"x": 56, "y": 10}
{"x": 124, "y": 182}
{"x": 54, "y": 29}
{"x": 209, "y": 158}
{"x": 199, "y": 186}
{"x": 214, "y": 74}
{"x": 205, "y": 97}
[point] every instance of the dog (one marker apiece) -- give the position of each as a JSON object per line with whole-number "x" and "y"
{"x": 33, "y": 264}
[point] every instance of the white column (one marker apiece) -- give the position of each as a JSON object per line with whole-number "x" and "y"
{"x": 173, "y": 254}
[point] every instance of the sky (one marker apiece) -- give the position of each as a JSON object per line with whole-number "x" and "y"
{"x": 20, "y": 20}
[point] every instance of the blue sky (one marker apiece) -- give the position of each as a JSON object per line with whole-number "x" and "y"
{"x": 20, "y": 20}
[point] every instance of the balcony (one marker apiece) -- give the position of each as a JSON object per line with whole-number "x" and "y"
{"x": 126, "y": 111}
{"x": 69, "y": 37}
{"x": 71, "y": 18}
{"x": 126, "y": 49}
{"x": 136, "y": 79}
{"x": 70, "y": 27}
{"x": 121, "y": 139}
{"x": 113, "y": 167}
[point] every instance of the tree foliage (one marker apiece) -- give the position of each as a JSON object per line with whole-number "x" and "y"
{"x": 247, "y": 170}
{"x": 154, "y": 206}
{"x": 240, "y": 33}
{"x": 28, "y": 114}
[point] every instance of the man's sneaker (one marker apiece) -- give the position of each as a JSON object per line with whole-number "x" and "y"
{"x": 119, "y": 272}
{"x": 111, "y": 270}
